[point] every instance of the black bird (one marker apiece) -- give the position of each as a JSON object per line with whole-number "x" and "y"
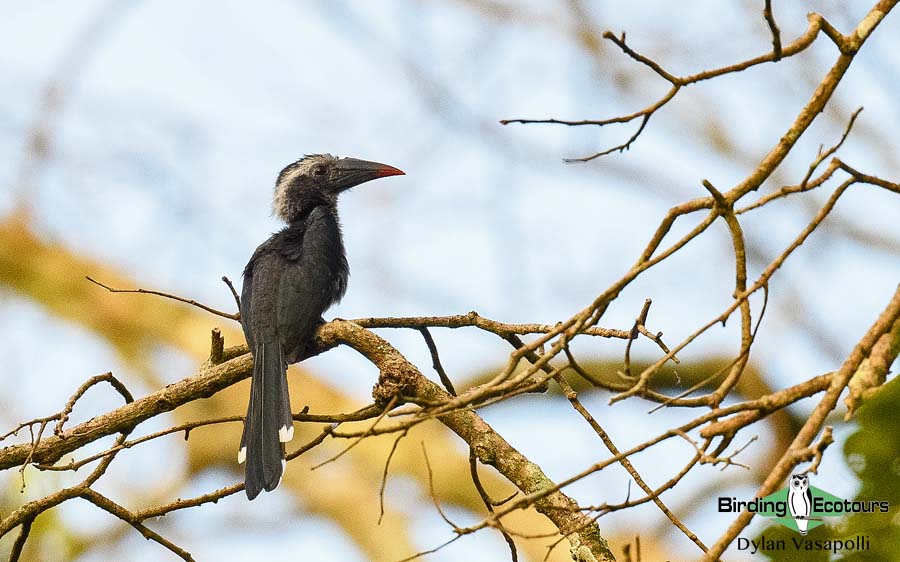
{"x": 289, "y": 282}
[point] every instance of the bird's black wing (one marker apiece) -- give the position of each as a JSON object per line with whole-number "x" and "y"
{"x": 247, "y": 296}
{"x": 301, "y": 302}
{"x": 268, "y": 423}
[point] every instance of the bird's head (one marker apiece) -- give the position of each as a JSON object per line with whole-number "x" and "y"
{"x": 318, "y": 179}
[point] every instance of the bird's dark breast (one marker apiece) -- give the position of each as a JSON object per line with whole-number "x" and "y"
{"x": 323, "y": 250}
{"x": 315, "y": 277}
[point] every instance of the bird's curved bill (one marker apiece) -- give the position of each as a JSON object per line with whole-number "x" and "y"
{"x": 351, "y": 172}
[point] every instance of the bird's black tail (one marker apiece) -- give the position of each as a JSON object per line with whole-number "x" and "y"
{"x": 269, "y": 423}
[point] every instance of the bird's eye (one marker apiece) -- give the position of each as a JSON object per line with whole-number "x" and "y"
{"x": 319, "y": 170}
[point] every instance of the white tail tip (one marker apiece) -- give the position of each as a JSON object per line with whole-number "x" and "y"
{"x": 283, "y": 470}
{"x": 286, "y": 433}
{"x": 242, "y": 455}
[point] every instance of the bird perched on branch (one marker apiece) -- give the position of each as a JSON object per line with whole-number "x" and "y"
{"x": 289, "y": 282}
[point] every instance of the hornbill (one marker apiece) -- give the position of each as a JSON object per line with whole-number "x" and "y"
{"x": 289, "y": 282}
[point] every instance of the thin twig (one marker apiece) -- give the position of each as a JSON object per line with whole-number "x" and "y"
{"x": 384, "y": 474}
{"x": 70, "y": 405}
{"x": 126, "y": 515}
{"x": 430, "y": 550}
{"x": 639, "y": 321}
{"x": 572, "y": 396}
{"x": 237, "y": 299}
{"x": 816, "y": 24}
{"x": 436, "y": 360}
{"x": 773, "y": 27}
{"x": 434, "y": 498}
{"x": 387, "y": 408}
{"x": 191, "y": 302}
{"x": 489, "y": 503}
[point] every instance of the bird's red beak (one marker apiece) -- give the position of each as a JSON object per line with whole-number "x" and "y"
{"x": 384, "y": 170}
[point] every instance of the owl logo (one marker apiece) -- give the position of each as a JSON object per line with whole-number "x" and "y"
{"x": 800, "y": 501}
